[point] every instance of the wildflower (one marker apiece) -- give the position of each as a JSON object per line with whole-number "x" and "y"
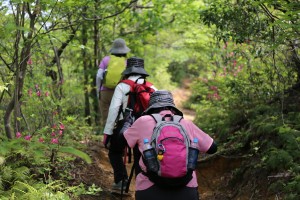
{"x": 36, "y": 86}
{"x": 53, "y": 134}
{"x": 27, "y": 137}
{"x": 61, "y": 126}
{"x": 60, "y": 132}
{"x": 215, "y": 88}
{"x": 54, "y": 126}
{"x": 18, "y": 135}
{"x": 29, "y": 61}
{"x": 46, "y": 94}
{"x": 216, "y": 96}
{"x": 54, "y": 140}
{"x": 38, "y": 93}
{"x": 234, "y": 63}
{"x": 41, "y": 139}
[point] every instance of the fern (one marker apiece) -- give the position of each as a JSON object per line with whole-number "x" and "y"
{"x": 7, "y": 173}
{"x": 50, "y": 191}
{"x": 21, "y": 173}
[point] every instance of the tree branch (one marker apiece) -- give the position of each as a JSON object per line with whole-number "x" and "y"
{"x": 113, "y": 15}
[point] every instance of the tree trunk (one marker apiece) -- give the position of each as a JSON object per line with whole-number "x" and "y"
{"x": 95, "y": 65}
{"x": 87, "y": 112}
{"x": 21, "y": 65}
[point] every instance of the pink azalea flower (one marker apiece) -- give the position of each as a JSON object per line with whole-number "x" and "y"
{"x": 27, "y": 137}
{"x": 18, "y": 135}
{"x": 214, "y": 88}
{"x": 216, "y": 96}
{"x": 61, "y": 126}
{"x": 60, "y": 132}
{"x": 234, "y": 63}
{"x": 54, "y": 140}
{"x": 29, "y": 62}
{"x": 41, "y": 139}
{"x": 53, "y": 134}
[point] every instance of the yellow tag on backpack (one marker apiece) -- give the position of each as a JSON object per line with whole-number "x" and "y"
{"x": 113, "y": 72}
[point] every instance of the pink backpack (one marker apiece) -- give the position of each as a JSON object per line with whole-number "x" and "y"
{"x": 171, "y": 142}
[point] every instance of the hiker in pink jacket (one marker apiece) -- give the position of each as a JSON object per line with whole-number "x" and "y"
{"x": 161, "y": 101}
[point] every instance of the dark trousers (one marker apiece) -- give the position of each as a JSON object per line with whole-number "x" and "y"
{"x": 154, "y": 192}
{"x": 115, "y": 154}
{"x": 119, "y": 168}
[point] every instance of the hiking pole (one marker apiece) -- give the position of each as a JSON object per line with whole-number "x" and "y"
{"x": 123, "y": 180}
{"x": 129, "y": 179}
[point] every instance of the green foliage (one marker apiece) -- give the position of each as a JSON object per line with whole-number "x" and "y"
{"x": 292, "y": 188}
{"x": 245, "y": 97}
{"x": 279, "y": 160}
{"x": 240, "y": 90}
{"x": 76, "y": 152}
{"x": 26, "y": 191}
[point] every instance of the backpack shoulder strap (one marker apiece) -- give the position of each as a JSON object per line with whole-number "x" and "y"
{"x": 177, "y": 118}
{"x": 130, "y": 94}
{"x": 148, "y": 84}
{"x": 128, "y": 82}
{"x": 156, "y": 117}
{"x": 159, "y": 118}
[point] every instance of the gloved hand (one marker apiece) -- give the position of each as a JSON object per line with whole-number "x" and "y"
{"x": 106, "y": 140}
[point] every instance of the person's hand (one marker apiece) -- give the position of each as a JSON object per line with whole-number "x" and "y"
{"x": 106, "y": 140}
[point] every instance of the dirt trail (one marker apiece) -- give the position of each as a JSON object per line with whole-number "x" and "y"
{"x": 180, "y": 96}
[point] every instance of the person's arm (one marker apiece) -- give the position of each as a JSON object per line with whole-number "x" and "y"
{"x": 114, "y": 108}
{"x": 113, "y": 113}
{"x": 99, "y": 79}
{"x": 100, "y": 73}
{"x": 206, "y": 144}
{"x": 213, "y": 148}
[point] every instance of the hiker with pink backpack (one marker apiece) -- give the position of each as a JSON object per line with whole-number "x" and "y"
{"x": 130, "y": 99}
{"x": 169, "y": 146}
